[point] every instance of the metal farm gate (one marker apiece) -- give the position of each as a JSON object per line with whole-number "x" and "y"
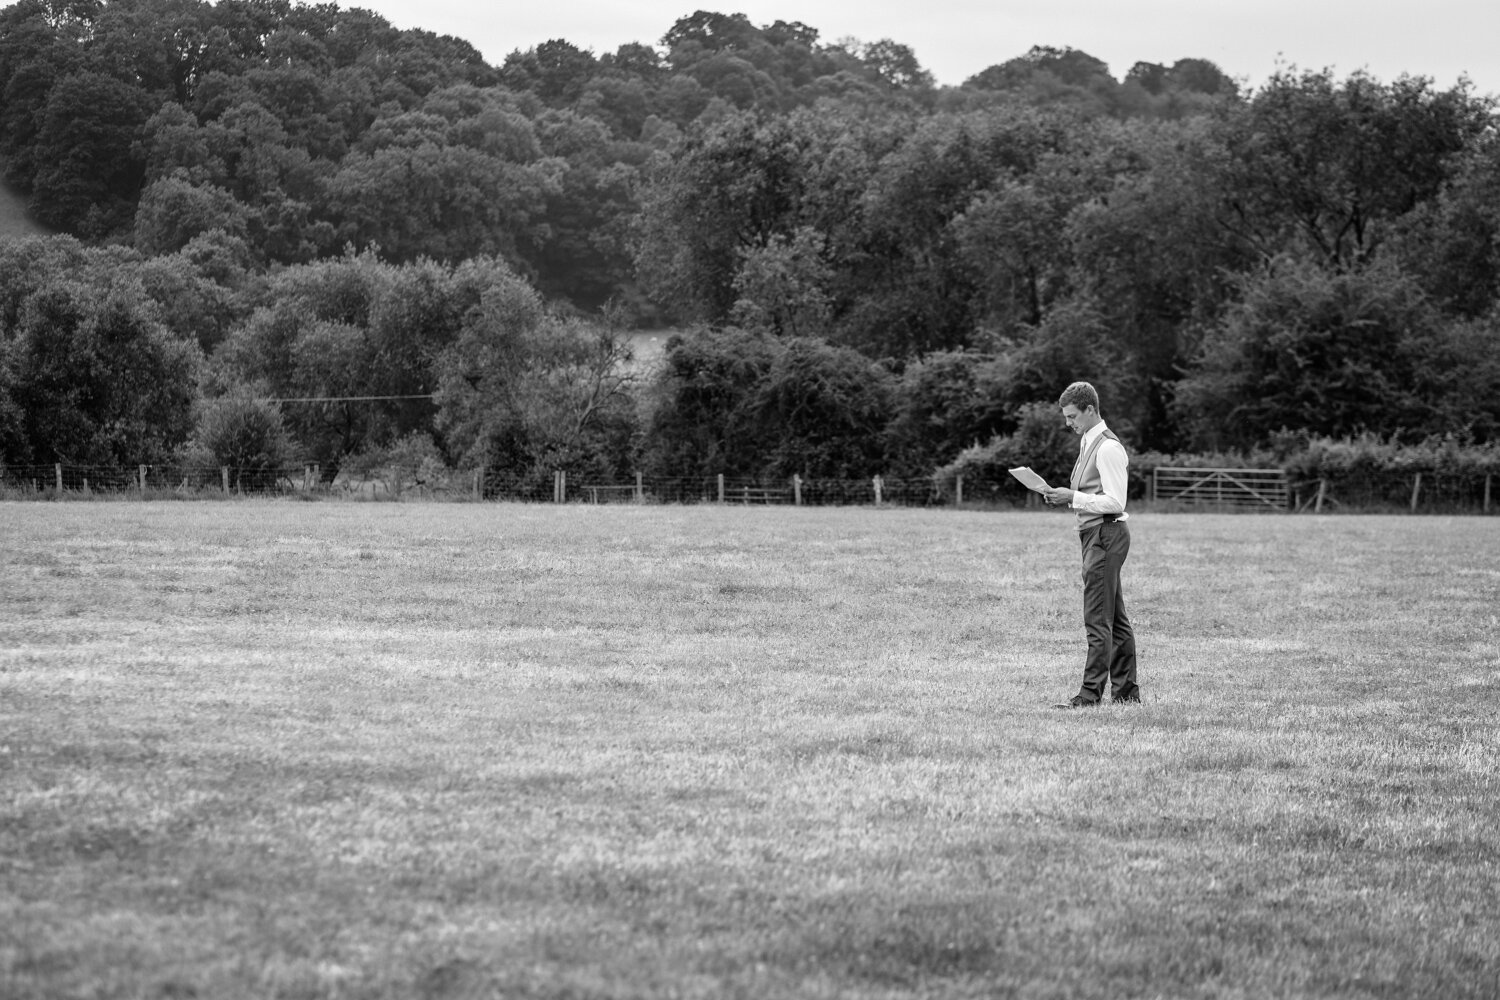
{"x": 1241, "y": 489}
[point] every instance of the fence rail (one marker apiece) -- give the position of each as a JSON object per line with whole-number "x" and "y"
{"x": 157, "y": 480}
{"x": 1166, "y": 488}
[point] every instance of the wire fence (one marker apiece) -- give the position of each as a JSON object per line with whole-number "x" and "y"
{"x": 1425, "y": 491}
{"x": 156, "y": 481}
{"x": 1420, "y": 492}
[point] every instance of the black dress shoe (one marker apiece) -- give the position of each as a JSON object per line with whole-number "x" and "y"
{"x": 1078, "y": 701}
{"x": 1132, "y": 699}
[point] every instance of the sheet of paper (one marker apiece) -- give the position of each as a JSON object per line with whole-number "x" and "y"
{"x": 1029, "y": 479}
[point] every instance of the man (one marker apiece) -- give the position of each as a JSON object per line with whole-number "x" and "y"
{"x": 1097, "y": 495}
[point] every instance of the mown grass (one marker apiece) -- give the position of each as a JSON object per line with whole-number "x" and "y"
{"x": 261, "y": 749}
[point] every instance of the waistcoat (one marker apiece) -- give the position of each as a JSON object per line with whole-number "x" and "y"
{"x": 1086, "y": 479}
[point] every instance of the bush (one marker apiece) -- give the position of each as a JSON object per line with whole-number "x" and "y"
{"x": 1041, "y": 441}
{"x": 1370, "y": 472}
{"x": 244, "y": 435}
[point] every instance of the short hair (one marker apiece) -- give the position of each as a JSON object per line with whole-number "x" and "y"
{"x": 1081, "y": 395}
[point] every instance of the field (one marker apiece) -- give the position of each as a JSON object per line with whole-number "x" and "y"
{"x": 14, "y": 222}
{"x": 354, "y": 750}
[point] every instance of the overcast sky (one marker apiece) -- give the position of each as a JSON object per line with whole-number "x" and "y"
{"x": 954, "y": 39}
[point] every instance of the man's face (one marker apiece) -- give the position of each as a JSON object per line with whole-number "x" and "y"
{"x": 1079, "y": 421}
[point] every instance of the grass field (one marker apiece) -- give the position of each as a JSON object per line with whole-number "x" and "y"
{"x": 15, "y": 223}
{"x": 305, "y": 750}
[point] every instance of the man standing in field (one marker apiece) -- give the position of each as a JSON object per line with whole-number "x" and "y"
{"x": 1097, "y": 495}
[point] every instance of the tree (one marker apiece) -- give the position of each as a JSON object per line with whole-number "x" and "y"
{"x": 585, "y": 258}
{"x": 556, "y": 71}
{"x": 88, "y": 173}
{"x": 1451, "y": 243}
{"x": 1073, "y": 342}
{"x": 165, "y": 46}
{"x": 99, "y": 381}
{"x": 41, "y": 42}
{"x": 707, "y": 31}
{"x": 1325, "y": 168}
{"x": 783, "y": 285}
{"x": 917, "y": 292}
{"x": 173, "y": 211}
{"x": 277, "y": 181}
{"x": 747, "y": 404}
{"x": 1323, "y": 353}
{"x": 1039, "y": 441}
{"x": 896, "y": 65}
{"x": 14, "y": 447}
{"x": 820, "y": 412}
{"x": 1049, "y": 75}
{"x": 467, "y": 173}
{"x": 1146, "y": 247}
{"x": 1012, "y": 239}
{"x": 333, "y": 330}
{"x": 524, "y": 392}
{"x": 736, "y": 187}
{"x": 244, "y": 435}
{"x": 203, "y": 289}
{"x": 943, "y": 403}
{"x": 702, "y": 418}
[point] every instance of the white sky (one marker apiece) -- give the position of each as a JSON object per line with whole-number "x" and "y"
{"x": 954, "y": 39}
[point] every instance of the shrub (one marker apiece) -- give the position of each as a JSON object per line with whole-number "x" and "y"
{"x": 244, "y": 435}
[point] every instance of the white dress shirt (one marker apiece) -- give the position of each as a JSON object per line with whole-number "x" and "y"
{"x": 1112, "y": 461}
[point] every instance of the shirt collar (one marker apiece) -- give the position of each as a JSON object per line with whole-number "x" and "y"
{"x": 1092, "y": 433}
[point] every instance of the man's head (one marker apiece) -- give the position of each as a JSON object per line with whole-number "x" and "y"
{"x": 1080, "y": 407}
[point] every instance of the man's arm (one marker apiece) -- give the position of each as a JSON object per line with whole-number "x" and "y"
{"x": 1112, "y": 463}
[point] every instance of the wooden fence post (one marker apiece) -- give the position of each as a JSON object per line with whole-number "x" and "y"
{"x": 879, "y": 489}
{"x": 1487, "y": 493}
{"x": 1416, "y": 491}
{"x": 1322, "y": 489}
{"x": 721, "y": 487}
{"x": 58, "y": 469}
{"x": 640, "y": 488}
{"x": 479, "y": 483}
{"x": 224, "y": 478}
{"x": 797, "y": 490}
{"x": 958, "y": 487}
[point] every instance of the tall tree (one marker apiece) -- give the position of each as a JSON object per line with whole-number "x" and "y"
{"x": 89, "y": 172}
{"x": 524, "y": 392}
{"x": 1325, "y": 167}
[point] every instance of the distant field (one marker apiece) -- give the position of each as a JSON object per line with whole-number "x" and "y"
{"x": 14, "y": 222}
{"x": 649, "y": 346}
{"x": 278, "y": 749}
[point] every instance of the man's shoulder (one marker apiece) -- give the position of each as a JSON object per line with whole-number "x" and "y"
{"x": 1113, "y": 443}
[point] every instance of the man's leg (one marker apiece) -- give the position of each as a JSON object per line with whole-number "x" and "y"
{"x": 1122, "y": 661}
{"x": 1098, "y": 612}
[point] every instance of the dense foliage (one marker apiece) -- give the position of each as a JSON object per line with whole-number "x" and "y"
{"x": 262, "y": 201}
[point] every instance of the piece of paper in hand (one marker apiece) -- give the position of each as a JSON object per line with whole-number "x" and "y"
{"x": 1029, "y": 479}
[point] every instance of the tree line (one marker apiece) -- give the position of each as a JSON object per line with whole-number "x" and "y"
{"x": 259, "y": 201}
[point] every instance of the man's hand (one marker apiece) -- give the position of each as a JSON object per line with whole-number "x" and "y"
{"x": 1058, "y": 496}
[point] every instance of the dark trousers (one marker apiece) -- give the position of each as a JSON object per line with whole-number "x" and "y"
{"x": 1111, "y": 639}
